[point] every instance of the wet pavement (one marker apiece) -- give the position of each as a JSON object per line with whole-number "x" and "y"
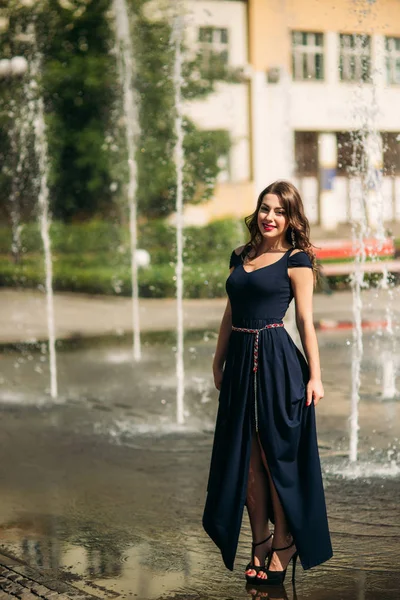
{"x": 20, "y": 581}
{"x": 103, "y": 493}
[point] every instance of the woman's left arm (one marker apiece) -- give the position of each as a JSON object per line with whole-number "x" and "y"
{"x": 303, "y": 285}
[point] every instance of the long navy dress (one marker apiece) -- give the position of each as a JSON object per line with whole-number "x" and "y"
{"x": 273, "y": 403}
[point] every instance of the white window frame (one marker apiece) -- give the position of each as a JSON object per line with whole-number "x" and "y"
{"x": 304, "y": 55}
{"x": 351, "y": 57}
{"x": 392, "y": 55}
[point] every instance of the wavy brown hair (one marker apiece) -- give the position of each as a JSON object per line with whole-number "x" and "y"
{"x": 292, "y": 203}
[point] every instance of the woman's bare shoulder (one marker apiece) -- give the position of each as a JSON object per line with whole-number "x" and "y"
{"x": 240, "y": 249}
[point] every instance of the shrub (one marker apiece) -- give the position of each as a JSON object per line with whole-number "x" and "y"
{"x": 158, "y": 281}
{"x": 203, "y": 244}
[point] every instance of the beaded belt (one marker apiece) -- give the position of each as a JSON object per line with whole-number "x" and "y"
{"x": 255, "y": 357}
{"x": 257, "y": 333}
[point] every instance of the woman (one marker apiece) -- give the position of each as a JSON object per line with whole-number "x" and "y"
{"x": 265, "y": 452}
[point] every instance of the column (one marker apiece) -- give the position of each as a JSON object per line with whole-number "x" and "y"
{"x": 327, "y": 161}
{"x": 258, "y": 130}
{"x": 332, "y": 57}
{"x": 378, "y": 67}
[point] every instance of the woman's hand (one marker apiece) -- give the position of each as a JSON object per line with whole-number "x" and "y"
{"x": 218, "y": 373}
{"x": 315, "y": 391}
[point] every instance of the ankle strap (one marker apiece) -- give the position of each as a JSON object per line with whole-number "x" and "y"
{"x": 285, "y": 548}
{"x": 263, "y": 542}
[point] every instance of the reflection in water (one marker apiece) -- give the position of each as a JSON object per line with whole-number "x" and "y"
{"x": 151, "y": 558}
{"x": 39, "y": 544}
{"x": 280, "y": 592}
{"x": 32, "y": 552}
{"x": 274, "y": 593}
{"x": 104, "y": 560}
{"x": 361, "y": 585}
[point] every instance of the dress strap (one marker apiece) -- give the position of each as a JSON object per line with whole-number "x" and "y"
{"x": 288, "y": 252}
{"x": 289, "y": 255}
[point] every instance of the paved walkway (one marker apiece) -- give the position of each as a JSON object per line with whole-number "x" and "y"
{"x": 20, "y": 581}
{"x": 23, "y": 313}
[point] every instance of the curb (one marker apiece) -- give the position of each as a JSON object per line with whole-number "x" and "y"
{"x": 159, "y": 336}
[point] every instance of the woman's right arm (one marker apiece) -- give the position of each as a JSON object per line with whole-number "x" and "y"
{"x": 222, "y": 345}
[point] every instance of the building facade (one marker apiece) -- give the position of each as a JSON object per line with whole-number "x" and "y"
{"x": 319, "y": 102}
{"x": 222, "y": 26}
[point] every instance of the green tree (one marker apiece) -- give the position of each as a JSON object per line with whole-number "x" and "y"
{"x": 83, "y": 100}
{"x": 17, "y": 163}
{"x": 154, "y": 55}
{"x": 79, "y": 86}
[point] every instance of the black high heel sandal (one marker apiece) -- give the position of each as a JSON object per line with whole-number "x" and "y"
{"x": 251, "y": 565}
{"x": 277, "y": 577}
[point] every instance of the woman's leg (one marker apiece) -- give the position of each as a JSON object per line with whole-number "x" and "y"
{"x": 257, "y": 505}
{"x": 282, "y": 535}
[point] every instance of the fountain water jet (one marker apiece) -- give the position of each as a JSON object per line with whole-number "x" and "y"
{"x": 359, "y": 233}
{"x": 389, "y": 391}
{"x": 366, "y": 219}
{"x": 177, "y": 34}
{"x": 388, "y": 376}
{"x": 18, "y": 149}
{"x": 35, "y": 101}
{"x": 32, "y": 116}
{"x": 126, "y": 68}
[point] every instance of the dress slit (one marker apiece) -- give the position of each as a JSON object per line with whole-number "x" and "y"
{"x": 271, "y": 514}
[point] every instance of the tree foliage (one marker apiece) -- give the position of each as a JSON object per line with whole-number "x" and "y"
{"x": 79, "y": 84}
{"x": 154, "y": 82}
{"x": 83, "y": 101}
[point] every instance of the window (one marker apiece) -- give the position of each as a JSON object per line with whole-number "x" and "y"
{"x": 355, "y": 57}
{"x": 392, "y": 45}
{"x": 391, "y": 153}
{"x": 307, "y": 55}
{"x": 212, "y": 41}
{"x": 351, "y": 158}
{"x": 306, "y": 153}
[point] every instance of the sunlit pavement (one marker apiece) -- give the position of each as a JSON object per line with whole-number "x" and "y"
{"x": 23, "y": 313}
